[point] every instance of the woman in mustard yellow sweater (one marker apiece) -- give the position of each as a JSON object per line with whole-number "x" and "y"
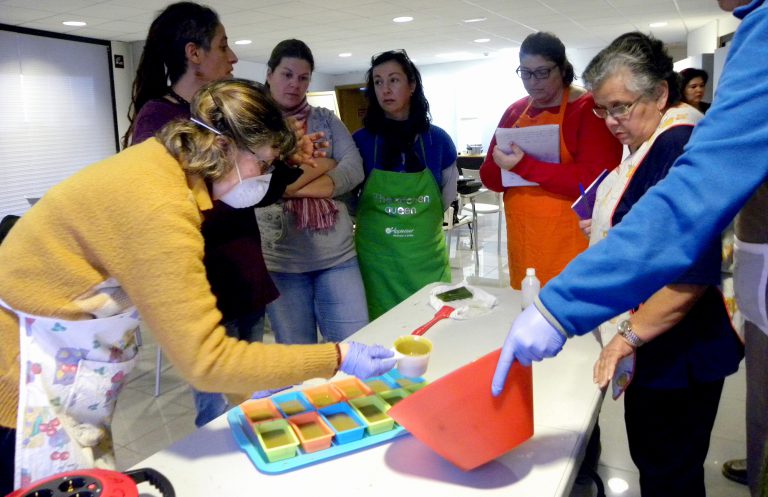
{"x": 119, "y": 239}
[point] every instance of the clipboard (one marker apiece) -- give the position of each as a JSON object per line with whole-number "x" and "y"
{"x": 541, "y": 142}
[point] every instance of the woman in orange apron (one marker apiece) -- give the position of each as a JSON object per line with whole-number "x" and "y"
{"x": 542, "y": 230}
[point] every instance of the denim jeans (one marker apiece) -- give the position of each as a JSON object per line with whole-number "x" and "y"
{"x": 332, "y": 299}
{"x": 211, "y": 405}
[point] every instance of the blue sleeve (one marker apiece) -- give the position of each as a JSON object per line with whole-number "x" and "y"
{"x": 447, "y": 173}
{"x": 449, "y": 154}
{"x": 706, "y": 269}
{"x": 364, "y": 141}
{"x": 670, "y": 227}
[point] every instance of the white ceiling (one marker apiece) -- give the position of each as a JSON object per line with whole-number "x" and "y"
{"x": 365, "y": 27}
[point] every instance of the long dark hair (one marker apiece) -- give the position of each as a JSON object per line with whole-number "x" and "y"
{"x": 164, "y": 57}
{"x": 418, "y": 116}
{"x": 550, "y": 47}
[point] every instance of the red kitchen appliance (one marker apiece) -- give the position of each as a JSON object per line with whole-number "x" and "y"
{"x": 96, "y": 483}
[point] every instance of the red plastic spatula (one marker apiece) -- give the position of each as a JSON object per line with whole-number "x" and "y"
{"x": 458, "y": 418}
{"x": 443, "y": 313}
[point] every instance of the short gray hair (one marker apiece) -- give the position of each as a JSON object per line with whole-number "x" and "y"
{"x": 644, "y": 57}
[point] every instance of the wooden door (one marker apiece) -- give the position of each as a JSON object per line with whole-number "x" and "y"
{"x": 352, "y": 105}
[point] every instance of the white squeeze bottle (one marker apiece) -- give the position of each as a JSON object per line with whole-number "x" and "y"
{"x": 530, "y": 287}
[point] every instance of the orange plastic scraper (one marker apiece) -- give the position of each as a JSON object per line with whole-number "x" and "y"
{"x": 457, "y": 417}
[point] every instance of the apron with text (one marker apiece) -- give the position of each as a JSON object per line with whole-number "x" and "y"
{"x": 609, "y": 193}
{"x": 71, "y": 373}
{"x": 399, "y": 236}
{"x": 542, "y": 229}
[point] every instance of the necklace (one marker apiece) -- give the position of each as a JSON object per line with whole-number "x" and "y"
{"x": 178, "y": 97}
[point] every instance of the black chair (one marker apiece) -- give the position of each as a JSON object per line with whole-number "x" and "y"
{"x": 469, "y": 167}
{"x": 6, "y": 224}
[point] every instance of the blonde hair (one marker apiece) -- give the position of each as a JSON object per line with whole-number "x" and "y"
{"x": 245, "y": 115}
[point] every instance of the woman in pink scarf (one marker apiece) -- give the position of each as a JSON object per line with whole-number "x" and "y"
{"x": 307, "y": 238}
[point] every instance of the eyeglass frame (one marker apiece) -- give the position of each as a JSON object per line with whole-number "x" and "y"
{"x": 267, "y": 167}
{"x": 520, "y": 71}
{"x": 626, "y": 110}
{"x": 264, "y": 166}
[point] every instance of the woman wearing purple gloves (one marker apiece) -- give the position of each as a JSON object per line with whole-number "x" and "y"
{"x": 80, "y": 296}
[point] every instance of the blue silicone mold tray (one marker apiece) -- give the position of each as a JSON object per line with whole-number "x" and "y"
{"x": 245, "y": 437}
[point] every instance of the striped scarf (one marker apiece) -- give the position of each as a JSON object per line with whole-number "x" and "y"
{"x": 309, "y": 213}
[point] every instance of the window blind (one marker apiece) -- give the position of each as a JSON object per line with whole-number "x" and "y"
{"x": 56, "y": 113}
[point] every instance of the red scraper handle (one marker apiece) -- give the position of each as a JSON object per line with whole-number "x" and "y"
{"x": 443, "y": 313}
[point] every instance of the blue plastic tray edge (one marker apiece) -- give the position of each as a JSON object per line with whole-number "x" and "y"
{"x": 249, "y": 444}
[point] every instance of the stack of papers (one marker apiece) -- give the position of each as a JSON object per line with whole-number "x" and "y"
{"x": 540, "y": 142}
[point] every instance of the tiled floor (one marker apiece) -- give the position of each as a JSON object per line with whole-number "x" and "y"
{"x": 145, "y": 424}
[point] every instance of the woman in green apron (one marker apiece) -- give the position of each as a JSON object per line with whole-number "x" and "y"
{"x": 411, "y": 174}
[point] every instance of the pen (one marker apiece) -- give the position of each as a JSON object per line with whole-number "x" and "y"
{"x": 581, "y": 187}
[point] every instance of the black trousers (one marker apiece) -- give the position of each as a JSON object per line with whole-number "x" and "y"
{"x": 7, "y": 455}
{"x": 668, "y": 433}
{"x": 756, "y": 350}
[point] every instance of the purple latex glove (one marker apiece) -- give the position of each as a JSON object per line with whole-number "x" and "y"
{"x": 268, "y": 393}
{"x": 531, "y": 338}
{"x": 365, "y": 361}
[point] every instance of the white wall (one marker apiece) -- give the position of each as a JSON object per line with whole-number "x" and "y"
{"x": 719, "y": 62}
{"x": 727, "y": 25}
{"x": 56, "y": 102}
{"x": 123, "y": 81}
{"x": 703, "y": 40}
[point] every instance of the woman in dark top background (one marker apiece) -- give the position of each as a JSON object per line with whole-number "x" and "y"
{"x": 693, "y": 84}
{"x": 187, "y": 45}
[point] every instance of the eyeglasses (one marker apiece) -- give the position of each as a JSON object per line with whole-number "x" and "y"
{"x": 617, "y": 112}
{"x": 391, "y": 53}
{"x": 542, "y": 73}
{"x": 265, "y": 167}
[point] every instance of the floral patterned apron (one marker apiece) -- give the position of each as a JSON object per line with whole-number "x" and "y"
{"x": 609, "y": 194}
{"x": 71, "y": 374}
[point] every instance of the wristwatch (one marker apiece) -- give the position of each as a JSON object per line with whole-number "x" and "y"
{"x": 625, "y": 330}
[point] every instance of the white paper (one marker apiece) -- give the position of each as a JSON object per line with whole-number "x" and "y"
{"x": 541, "y": 142}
